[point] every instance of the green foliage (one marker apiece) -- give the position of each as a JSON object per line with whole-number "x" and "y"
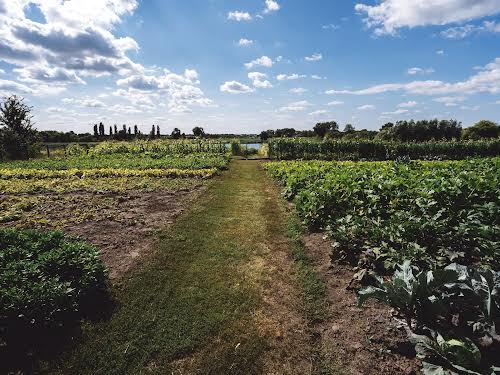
{"x": 160, "y": 147}
{"x": 381, "y": 213}
{"x": 18, "y": 138}
{"x": 421, "y": 131}
{"x": 291, "y": 149}
{"x": 145, "y": 160}
{"x": 452, "y": 315}
{"x": 321, "y": 128}
{"x": 46, "y": 281}
{"x": 75, "y": 150}
{"x": 198, "y": 132}
{"x": 483, "y": 129}
{"x": 235, "y": 147}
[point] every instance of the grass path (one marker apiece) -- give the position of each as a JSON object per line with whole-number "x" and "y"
{"x": 227, "y": 292}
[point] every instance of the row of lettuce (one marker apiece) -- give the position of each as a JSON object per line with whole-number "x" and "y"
{"x": 50, "y": 281}
{"x": 435, "y": 225}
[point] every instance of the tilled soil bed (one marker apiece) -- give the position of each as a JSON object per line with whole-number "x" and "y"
{"x": 357, "y": 340}
{"x": 121, "y": 225}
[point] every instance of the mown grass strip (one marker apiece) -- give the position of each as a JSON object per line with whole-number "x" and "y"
{"x": 191, "y": 306}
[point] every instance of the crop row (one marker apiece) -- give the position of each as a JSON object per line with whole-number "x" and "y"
{"x": 125, "y": 160}
{"x": 431, "y": 213}
{"x": 163, "y": 147}
{"x": 437, "y": 225}
{"x": 7, "y": 174}
{"x": 291, "y": 149}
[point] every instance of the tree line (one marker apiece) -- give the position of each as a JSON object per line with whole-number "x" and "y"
{"x": 400, "y": 131}
{"x": 20, "y": 140}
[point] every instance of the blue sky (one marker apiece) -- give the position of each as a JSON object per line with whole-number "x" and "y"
{"x": 245, "y": 66}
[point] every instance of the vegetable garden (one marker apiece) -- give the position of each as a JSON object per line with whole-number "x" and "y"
{"x": 436, "y": 224}
{"x": 49, "y": 279}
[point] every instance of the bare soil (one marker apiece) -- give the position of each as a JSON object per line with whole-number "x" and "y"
{"x": 121, "y": 225}
{"x": 358, "y": 340}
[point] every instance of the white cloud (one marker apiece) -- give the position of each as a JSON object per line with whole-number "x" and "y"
{"x": 239, "y": 16}
{"x": 396, "y": 112}
{"x": 261, "y": 61}
{"x": 296, "y": 106}
{"x": 127, "y": 109}
{"x": 335, "y": 103}
{"x": 298, "y": 90}
{"x": 487, "y": 80}
{"x": 330, "y": 26}
{"x": 180, "y": 90}
{"x": 271, "y": 6}
{"x": 235, "y": 87}
{"x": 315, "y": 76}
{"x": 420, "y": 71}
{"x": 314, "y": 57}
{"x": 440, "y": 52}
{"x": 245, "y": 42}
{"x": 450, "y": 101}
{"x": 461, "y": 32}
{"x": 469, "y": 108}
{"x": 259, "y": 80}
{"x": 320, "y": 112}
{"x": 2, "y": 71}
{"x": 290, "y": 77}
{"x": 409, "y": 104}
{"x": 458, "y": 32}
{"x": 8, "y": 86}
{"x": 367, "y": 107}
{"x": 85, "y": 102}
{"x": 387, "y": 16}
{"x": 74, "y": 41}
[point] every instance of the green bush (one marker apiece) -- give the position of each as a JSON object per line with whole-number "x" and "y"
{"x": 47, "y": 280}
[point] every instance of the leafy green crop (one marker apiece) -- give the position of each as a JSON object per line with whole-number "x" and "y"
{"x": 451, "y": 313}
{"x": 125, "y": 161}
{"x": 47, "y": 280}
{"x": 381, "y": 213}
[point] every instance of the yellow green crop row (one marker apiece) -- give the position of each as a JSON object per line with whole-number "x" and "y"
{"x": 8, "y": 174}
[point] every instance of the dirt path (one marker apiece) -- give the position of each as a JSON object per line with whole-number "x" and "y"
{"x": 220, "y": 295}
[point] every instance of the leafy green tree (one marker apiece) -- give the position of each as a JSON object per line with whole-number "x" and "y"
{"x": 264, "y": 136}
{"x": 349, "y": 128}
{"x": 18, "y": 138}
{"x": 176, "y": 133}
{"x": 321, "y": 128}
{"x": 198, "y": 131}
{"x": 285, "y": 132}
{"x": 421, "y": 131}
{"x": 482, "y": 129}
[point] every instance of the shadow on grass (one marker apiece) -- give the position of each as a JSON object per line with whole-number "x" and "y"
{"x": 24, "y": 346}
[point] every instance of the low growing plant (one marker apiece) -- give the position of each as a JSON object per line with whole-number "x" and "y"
{"x": 451, "y": 314}
{"x": 47, "y": 281}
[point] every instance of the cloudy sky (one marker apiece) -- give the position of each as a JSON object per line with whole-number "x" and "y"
{"x": 245, "y": 66}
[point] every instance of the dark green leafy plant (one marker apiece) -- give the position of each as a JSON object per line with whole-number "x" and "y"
{"x": 47, "y": 281}
{"x": 451, "y": 315}
{"x": 381, "y": 213}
